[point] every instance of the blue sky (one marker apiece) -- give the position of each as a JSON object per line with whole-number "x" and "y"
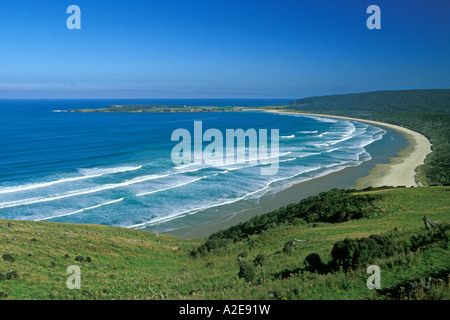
{"x": 220, "y": 49}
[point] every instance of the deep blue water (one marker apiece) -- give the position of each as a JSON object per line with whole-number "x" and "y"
{"x": 116, "y": 169}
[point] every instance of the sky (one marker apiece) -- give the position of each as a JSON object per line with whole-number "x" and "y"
{"x": 220, "y": 48}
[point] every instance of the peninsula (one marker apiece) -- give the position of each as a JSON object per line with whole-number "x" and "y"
{"x": 144, "y": 108}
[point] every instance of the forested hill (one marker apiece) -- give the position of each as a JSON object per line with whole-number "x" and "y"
{"x": 433, "y": 100}
{"x": 424, "y": 111}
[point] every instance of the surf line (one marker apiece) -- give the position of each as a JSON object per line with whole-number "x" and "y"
{"x": 195, "y": 210}
{"x": 81, "y": 210}
{"x": 79, "y": 192}
{"x": 38, "y": 185}
{"x": 186, "y": 152}
{"x": 172, "y": 187}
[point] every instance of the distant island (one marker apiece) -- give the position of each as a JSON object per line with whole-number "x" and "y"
{"x": 144, "y": 108}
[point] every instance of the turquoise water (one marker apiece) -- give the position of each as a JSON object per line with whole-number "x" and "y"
{"x": 116, "y": 169}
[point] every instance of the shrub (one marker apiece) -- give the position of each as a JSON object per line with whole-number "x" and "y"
{"x": 351, "y": 253}
{"x": 209, "y": 245}
{"x": 247, "y": 271}
{"x": 386, "y": 244}
{"x": 313, "y": 263}
{"x": 440, "y": 234}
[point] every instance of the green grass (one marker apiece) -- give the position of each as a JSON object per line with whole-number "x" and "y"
{"x": 133, "y": 264}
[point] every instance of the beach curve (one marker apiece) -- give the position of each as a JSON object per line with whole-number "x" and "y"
{"x": 401, "y": 170}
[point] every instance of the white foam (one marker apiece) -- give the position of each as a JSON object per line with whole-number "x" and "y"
{"x": 287, "y": 160}
{"x": 172, "y": 187}
{"x": 87, "y": 174}
{"x": 331, "y": 150}
{"x": 309, "y": 154}
{"x": 195, "y": 210}
{"x": 321, "y": 119}
{"x": 200, "y": 166}
{"x": 78, "y": 192}
{"x": 295, "y": 175}
{"x": 179, "y": 214}
{"x": 81, "y": 210}
{"x": 307, "y": 132}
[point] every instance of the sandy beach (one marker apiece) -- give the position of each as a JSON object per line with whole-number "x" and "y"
{"x": 399, "y": 171}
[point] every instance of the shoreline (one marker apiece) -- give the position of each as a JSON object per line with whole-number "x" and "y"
{"x": 399, "y": 171}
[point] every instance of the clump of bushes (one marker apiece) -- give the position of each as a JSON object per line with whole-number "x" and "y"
{"x": 247, "y": 271}
{"x": 313, "y": 263}
{"x": 353, "y": 253}
{"x": 209, "y": 245}
{"x": 417, "y": 241}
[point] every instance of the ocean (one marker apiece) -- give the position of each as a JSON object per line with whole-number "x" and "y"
{"x": 116, "y": 169}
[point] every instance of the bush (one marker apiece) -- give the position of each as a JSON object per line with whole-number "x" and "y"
{"x": 247, "y": 271}
{"x": 440, "y": 234}
{"x": 313, "y": 263}
{"x": 386, "y": 243}
{"x": 243, "y": 254}
{"x": 209, "y": 245}
{"x": 351, "y": 253}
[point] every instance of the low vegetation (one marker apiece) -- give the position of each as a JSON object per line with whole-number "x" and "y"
{"x": 291, "y": 259}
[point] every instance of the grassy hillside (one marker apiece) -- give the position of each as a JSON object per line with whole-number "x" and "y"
{"x": 130, "y": 264}
{"x": 424, "y": 111}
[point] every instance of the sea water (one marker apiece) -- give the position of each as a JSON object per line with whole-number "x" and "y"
{"x": 116, "y": 168}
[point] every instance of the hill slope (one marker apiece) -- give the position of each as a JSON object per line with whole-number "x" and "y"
{"x": 132, "y": 264}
